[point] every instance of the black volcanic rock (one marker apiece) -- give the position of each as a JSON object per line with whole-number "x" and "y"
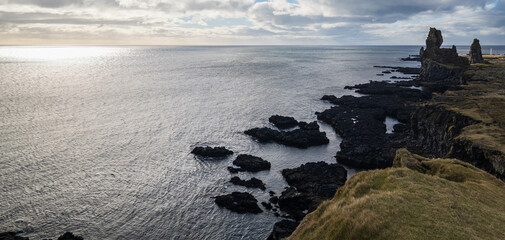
{"x": 311, "y": 184}
{"x": 11, "y": 236}
{"x": 69, "y": 236}
{"x": 476, "y": 52}
{"x": 249, "y": 163}
{"x": 211, "y": 151}
{"x": 239, "y": 202}
{"x": 283, "y": 122}
{"x": 304, "y": 137}
{"x": 283, "y": 229}
{"x": 360, "y": 121}
{"x": 441, "y": 64}
{"x": 321, "y": 178}
{"x": 251, "y": 183}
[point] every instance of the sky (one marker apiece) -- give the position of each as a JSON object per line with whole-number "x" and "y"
{"x": 249, "y": 22}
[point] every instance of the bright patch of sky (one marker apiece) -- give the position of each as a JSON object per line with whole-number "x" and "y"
{"x": 217, "y": 22}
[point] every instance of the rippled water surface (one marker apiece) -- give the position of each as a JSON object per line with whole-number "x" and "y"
{"x": 97, "y": 140}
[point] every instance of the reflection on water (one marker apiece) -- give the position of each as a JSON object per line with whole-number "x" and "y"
{"x": 97, "y": 140}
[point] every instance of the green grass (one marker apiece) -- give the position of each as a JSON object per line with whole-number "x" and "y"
{"x": 418, "y": 198}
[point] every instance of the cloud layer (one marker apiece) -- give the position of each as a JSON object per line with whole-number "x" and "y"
{"x": 189, "y": 22}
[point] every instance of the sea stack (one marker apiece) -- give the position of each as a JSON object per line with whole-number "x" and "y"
{"x": 476, "y": 52}
{"x": 440, "y": 64}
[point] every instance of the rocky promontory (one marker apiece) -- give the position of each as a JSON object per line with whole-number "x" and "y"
{"x": 461, "y": 115}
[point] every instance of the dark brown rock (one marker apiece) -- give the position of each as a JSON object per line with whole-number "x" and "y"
{"x": 476, "y": 52}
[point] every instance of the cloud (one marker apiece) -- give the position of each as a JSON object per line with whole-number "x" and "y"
{"x": 250, "y": 21}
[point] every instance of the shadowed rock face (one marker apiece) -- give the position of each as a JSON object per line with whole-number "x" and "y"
{"x": 441, "y": 64}
{"x": 283, "y": 229}
{"x": 311, "y": 184}
{"x": 476, "y": 52}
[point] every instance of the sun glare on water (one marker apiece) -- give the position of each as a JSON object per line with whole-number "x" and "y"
{"x": 50, "y": 53}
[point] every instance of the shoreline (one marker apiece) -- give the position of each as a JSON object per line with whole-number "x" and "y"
{"x": 464, "y": 119}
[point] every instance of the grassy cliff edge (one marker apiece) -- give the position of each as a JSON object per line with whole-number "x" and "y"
{"x": 418, "y": 198}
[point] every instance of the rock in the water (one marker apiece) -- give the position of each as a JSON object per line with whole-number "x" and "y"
{"x": 476, "y": 52}
{"x": 266, "y": 205}
{"x": 283, "y": 229}
{"x": 311, "y": 184}
{"x": 283, "y": 122}
{"x": 240, "y": 202}
{"x": 249, "y": 163}
{"x": 11, "y": 236}
{"x": 69, "y": 236}
{"x": 251, "y": 183}
{"x": 304, "y": 137}
{"x": 211, "y": 151}
{"x": 320, "y": 178}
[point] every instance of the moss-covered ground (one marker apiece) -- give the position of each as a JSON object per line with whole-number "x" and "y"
{"x": 418, "y": 198}
{"x": 483, "y": 99}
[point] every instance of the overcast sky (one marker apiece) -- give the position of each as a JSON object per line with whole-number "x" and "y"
{"x": 223, "y": 22}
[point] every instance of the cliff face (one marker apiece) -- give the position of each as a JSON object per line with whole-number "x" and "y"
{"x": 469, "y": 123}
{"x": 418, "y": 198}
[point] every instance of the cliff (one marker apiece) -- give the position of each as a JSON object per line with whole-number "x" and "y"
{"x": 419, "y": 198}
{"x": 468, "y": 123}
{"x": 458, "y": 193}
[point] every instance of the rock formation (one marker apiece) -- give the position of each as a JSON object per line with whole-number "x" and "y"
{"x": 306, "y": 136}
{"x": 311, "y": 184}
{"x": 249, "y": 163}
{"x": 283, "y": 122}
{"x": 441, "y": 64}
{"x": 476, "y": 52}
{"x": 211, "y": 151}
{"x": 251, "y": 183}
{"x": 239, "y": 202}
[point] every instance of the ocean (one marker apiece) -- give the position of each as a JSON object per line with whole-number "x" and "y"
{"x": 97, "y": 140}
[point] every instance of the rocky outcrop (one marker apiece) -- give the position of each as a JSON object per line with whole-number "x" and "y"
{"x": 441, "y": 64}
{"x": 69, "y": 236}
{"x": 410, "y": 201}
{"x": 211, "y": 151}
{"x": 14, "y": 236}
{"x": 283, "y": 122}
{"x": 360, "y": 121}
{"x": 304, "y": 137}
{"x": 251, "y": 183}
{"x": 239, "y": 202}
{"x": 476, "y": 52}
{"x": 434, "y": 129}
{"x": 283, "y": 229}
{"x": 249, "y": 163}
{"x": 311, "y": 184}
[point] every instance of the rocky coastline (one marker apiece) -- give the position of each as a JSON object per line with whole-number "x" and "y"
{"x": 454, "y": 109}
{"x": 431, "y": 123}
